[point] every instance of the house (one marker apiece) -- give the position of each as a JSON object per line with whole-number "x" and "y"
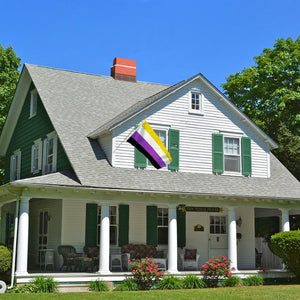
{"x": 71, "y": 178}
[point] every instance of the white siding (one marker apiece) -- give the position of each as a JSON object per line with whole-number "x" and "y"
{"x": 195, "y": 132}
{"x": 106, "y": 145}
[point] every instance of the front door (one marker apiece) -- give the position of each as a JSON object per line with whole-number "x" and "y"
{"x": 43, "y": 233}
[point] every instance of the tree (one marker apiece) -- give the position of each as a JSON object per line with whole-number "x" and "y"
{"x": 9, "y": 74}
{"x": 269, "y": 93}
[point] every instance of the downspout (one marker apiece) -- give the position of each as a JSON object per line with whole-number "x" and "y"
{"x": 15, "y": 240}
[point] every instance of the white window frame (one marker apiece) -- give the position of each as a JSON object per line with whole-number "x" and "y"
{"x": 111, "y": 223}
{"x": 50, "y": 136}
{"x": 36, "y": 156}
{"x": 33, "y": 103}
{"x": 15, "y": 165}
{"x": 239, "y": 138}
{"x": 199, "y": 110}
{"x": 159, "y": 128}
{"x": 215, "y": 224}
{"x": 163, "y": 216}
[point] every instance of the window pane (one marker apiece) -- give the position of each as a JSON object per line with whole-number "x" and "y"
{"x": 162, "y": 235}
{"x": 231, "y": 146}
{"x": 113, "y": 235}
{"x": 232, "y": 163}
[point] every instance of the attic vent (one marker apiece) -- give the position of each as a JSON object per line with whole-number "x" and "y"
{"x": 124, "y": 69}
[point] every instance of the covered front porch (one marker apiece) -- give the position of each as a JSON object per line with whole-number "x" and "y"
{"x": 47, "y": 218}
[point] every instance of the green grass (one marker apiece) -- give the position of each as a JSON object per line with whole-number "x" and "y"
{"x": 261, "y": 292}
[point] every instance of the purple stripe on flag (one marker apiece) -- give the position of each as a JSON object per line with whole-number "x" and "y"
{"x": 148, "y": 148}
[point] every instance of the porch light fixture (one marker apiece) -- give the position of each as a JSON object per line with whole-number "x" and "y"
{"x": 239, "y": 221}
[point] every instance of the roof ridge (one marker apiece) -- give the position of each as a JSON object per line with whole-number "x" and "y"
{"x": 92, "y": 74}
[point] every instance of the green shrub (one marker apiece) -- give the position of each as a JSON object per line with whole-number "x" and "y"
{"x": 233, "y": 281}
{"x": 41, "y": 284}
{"x": 254, "y": 280}
{"x": 99, "y": 286}
{"x": 145, "y": 273}
{"x": 286, "y": 245}
{"x": 127, "y": 285}
{"x": 29, "y": 288}
{"x": 5, "y": 259}
{"x": 215, "y": 269}
{"x": 45, "y": 285}
{"x": 192, "y": 282}
{"x": 170, "y": 282}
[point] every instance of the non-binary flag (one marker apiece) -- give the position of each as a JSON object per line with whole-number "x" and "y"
{"x": 146, "y": 141}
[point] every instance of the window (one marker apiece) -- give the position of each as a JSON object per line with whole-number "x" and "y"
{"x": 15, "y": 165}
{"x": 33, "y": 103}
{"x": 196, "y": 103}
{"x": 36, "y": 156}
{"x": 50, "y": 153}
{"x": 162, "y": 226}
{"x": 113, "y": 235}
{"x": 218, "y": 224}
{"x": 232, "y": 154}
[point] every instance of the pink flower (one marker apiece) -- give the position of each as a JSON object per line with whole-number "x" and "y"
{"x": 140, "y": 271}
{"x": 129, "y": 260}
{"x": 210, "y": 261}
{"x": 233, "y": 268}
{"x": 264, "y": 269}
{"x": 204, "y": 266}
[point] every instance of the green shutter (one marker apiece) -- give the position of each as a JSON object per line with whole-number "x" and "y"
{"x": 91, "y": 224}
{"x": 246, "y": 156}
{"x": 152, "y": 225}
{"x": 181, "y": 235}
{"x": 217, "y": 153}
{"x": 174, "y": 148}
{"x": 123, "y": 225}
{"x": 140, "y": 160}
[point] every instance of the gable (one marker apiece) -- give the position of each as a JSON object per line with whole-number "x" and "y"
{"x": 26, "y": 131}
{"x": 195, "y": 130}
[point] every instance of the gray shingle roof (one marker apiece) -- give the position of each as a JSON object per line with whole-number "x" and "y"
{"x": 83, "y": 102}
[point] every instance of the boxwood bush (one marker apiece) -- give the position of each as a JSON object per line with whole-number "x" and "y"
{"x": 5, "y": 259}
{"x": 286, "y": 245}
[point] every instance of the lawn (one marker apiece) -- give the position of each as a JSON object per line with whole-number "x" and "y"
{"x": 260, "y": 292}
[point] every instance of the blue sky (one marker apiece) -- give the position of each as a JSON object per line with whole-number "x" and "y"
{"x": 170, "y": 40}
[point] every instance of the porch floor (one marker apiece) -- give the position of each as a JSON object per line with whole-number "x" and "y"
{"x": 70, "y": 278}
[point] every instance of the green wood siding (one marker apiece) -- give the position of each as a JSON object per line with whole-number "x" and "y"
{"x": 26, "y": 132}
{"x": 181, "y": 228}
{"x": 217, "y": 153}
{"x": 174, "y": 149}
{"x": 152, "y": 225}
{"x": 246, "y": 156}
{"x": 91, "y": 224}
{"x": 123, "y": 225}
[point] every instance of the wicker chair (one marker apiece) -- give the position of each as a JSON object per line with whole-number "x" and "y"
{"x": 69, "y": 255}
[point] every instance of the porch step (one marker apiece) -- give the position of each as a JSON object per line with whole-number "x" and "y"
{"x": 77, "y": 288}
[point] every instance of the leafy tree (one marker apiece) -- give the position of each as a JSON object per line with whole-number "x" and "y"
{"x": 269, "y": 93}
{"x": 9, "y": 74}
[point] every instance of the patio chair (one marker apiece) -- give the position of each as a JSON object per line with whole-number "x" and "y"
{"x": 190, "y": 259}
{"x": 69, "y": 255}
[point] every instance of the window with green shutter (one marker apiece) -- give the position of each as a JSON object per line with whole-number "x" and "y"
{"x": 246, "y": 156}
{"x": 174, "y": 149}
{"x": 123, "y": 225}
{"x": 91, "y": 224}
{"x": 217, "y": 153}
{"x": 152, "y": 225}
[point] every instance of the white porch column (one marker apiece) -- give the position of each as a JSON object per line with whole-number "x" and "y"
{"x": 172, "y": 241}
{"x": 285, "y": 221}
{"x": 104, "y": 240}
{"x": 232, "y": 245}
{"x": 22, "y": 248}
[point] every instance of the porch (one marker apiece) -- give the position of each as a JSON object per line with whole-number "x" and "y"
{"x": 210, "y": 228}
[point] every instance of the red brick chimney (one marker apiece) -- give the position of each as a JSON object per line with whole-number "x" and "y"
{"x": 124, "y": 69}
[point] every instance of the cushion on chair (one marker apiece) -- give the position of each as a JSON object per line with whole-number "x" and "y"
{"x": 190, "y": 254}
